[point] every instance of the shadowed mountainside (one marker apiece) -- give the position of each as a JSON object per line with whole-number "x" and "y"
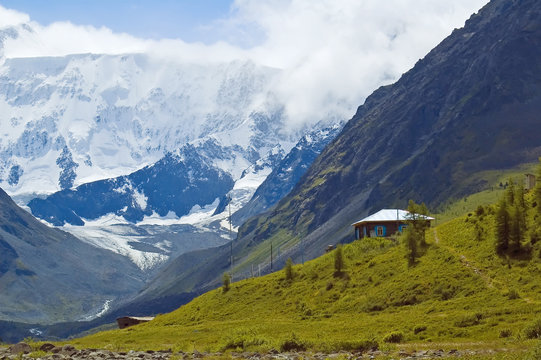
{"x": 47, "y": 275}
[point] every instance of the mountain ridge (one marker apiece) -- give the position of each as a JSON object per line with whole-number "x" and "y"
{"x": 428, "y": 137}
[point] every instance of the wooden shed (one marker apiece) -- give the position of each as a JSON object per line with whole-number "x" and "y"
{"x": 127, "y": 321}
{"x": 386, "y": 222}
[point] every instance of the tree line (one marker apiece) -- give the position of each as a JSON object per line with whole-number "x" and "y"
{"x": 518, "y": 218}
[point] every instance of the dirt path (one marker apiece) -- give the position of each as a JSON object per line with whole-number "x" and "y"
{"x": 466, "y": 262}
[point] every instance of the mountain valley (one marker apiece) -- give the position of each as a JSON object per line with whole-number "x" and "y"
{"x": 186, "y": 189}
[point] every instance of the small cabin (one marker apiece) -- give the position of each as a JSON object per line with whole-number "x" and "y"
{"x": 386, "y": 222}
{"x": 529, "y": 181}
{"x": 127, "y": 321}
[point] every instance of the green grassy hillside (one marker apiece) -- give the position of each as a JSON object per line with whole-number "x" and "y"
{"x": 459, "y": 293}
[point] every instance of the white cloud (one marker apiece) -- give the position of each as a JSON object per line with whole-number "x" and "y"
{"x": 342, "y": 50}
{"x": 10, "y": 17}
{"x": 333, "y": 53}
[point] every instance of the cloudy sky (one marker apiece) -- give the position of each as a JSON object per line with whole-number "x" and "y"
{"x": 331, "y": 51}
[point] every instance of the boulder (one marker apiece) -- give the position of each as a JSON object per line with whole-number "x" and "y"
{"x": 20, "y": 348}
{"x": 68, "y": 350}
{"x": 47, "y": 347}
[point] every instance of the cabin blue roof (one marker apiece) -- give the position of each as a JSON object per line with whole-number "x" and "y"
{"x": 386, "y": 215}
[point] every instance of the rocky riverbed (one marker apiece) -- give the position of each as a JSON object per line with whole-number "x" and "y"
{"x": 52, "y": 352}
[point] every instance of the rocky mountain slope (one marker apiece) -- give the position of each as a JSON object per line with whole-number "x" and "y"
{"x": 468, "y": 107}
{"x": 287, "y": 173}
{"x": 47, "y": 275}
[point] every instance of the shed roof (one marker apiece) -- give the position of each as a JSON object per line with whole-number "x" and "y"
{"x": 140, "y": 318}
{"x": 390, "y": 215}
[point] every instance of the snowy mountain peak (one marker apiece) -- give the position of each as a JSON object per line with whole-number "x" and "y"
{"x": 82, "y": 118}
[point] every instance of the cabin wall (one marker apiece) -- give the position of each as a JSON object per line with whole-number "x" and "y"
{"x": 378, "y": 229}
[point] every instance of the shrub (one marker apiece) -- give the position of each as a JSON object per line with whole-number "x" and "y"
{"x": 242, "y": 340}
{"x": 293, "y": 344}
{"x": 469, "y": 320}
{"x": 513, "y": 294}
{"x": 393, "y": 338}
{"x": 533, "y": 331}
{"x": 288, "y": 269}
{"x": 339, "y": 260}
{"x": 37, "y": 354}
{"x": 358, "y": 345}
{"x": 505, "y": 333}
{"x": 329, "y": 286}
{"x": 480, "y": 210}
{"x": 445, "y": 292}
{"x": 226, "y": 281}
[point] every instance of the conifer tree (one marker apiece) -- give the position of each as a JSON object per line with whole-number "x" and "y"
{"x": 535, "y": 230}
{"x": 518, "y": 219}
{"x": 416, "y": 213}
{"x": 502, "y": 226}
{"x": 515, "y": 233}
{"x": 410, "y": 241}
{"x": 537, "y": 192}
{"x": 414, "y": 234}
{"x": 510, "y": 193}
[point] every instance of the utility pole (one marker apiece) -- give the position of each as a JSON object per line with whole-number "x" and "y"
{"x": 271, "y": 256}
{"x": 302, "y": 250}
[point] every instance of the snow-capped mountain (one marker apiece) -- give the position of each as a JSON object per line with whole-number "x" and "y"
{"x": 137, "y": 140}
{"x": 79, "y": 118}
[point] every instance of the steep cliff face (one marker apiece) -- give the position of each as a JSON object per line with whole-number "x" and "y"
{"x": 470, "y": 105}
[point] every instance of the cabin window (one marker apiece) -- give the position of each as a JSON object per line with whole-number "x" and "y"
{"x": 380, "y": 230}
{"x": 402, "y": 227}
{"x": 357, "y": 233}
